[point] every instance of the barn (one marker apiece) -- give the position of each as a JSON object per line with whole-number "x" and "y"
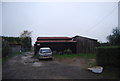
{"x": 77, "y": 44}
{"x": 85, "y": 45}
{"x": 57, "y": 44}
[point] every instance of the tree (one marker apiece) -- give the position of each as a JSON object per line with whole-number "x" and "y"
{"x": 25, "y": 37}
{"x": 114, "y": 38}
{"x": 26, "y": 33}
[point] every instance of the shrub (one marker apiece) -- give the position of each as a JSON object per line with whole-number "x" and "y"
{"x": 5, "y": 48}
{"x": 67, "y": 51}
{"x": 108, "y": 56}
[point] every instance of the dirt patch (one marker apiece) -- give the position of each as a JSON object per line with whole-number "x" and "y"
{"x": 37, "y": 64}
{"x": 81, "y": 62}
{"x": 25, "y": 67}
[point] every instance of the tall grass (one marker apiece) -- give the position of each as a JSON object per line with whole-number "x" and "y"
{"x": 83, "y": 55}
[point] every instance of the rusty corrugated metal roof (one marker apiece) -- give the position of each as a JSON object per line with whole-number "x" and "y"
{"x": 43, "y": 41}
{"x": 54, "y": 38}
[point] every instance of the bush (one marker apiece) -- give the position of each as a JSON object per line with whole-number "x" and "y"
{"x": 5, "y": 48}
{"x": 108, "y": 56}
{"x": 67, "y": 51}
{"x": 114, "y": 38}
{"x": 26, "y": 43}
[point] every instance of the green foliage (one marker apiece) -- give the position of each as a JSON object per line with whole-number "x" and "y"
{"x": 111, "y": 72}
{"x": 25, "y": 38}
{"x": 88, "y": 56}
{"x": 114, "y": 38}
{"x": 15, "y": 40}
{"x": 68, "y": 51}
{"x": 5, "y": 48}
{"x": 109, "y": 47}
{"x": 26, "y": 43}
{"x": 108, "y": 56}
{"x": 26, "y": 33}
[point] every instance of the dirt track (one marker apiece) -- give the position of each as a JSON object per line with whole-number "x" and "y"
{"x": 25, "y": 67}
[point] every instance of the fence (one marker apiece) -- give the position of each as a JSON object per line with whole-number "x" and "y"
{"x": 9, "y": 51}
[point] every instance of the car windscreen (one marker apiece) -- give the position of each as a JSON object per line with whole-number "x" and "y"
{"x": 45, "y": 50}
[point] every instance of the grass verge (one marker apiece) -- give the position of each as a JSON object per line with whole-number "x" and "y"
{"x": 87, "y": 56}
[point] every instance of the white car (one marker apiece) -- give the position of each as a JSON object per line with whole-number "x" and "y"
{"x": 45, "y": 53}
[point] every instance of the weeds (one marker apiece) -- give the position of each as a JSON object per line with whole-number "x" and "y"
{"x": 87, "y": 56}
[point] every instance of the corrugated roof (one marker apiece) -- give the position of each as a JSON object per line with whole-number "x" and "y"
{"x": 53, "y": 37}
{"x": 55, "y": 41}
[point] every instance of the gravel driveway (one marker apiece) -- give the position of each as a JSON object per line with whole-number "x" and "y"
{"x": 25, "y": 67}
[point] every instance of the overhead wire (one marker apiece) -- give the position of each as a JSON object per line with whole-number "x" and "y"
{"x": 96, "y": 25}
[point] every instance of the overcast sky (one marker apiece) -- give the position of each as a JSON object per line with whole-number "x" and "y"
{"x": 89, "y": 19}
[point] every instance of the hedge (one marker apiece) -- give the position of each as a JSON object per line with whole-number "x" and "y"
{"x": 108, "y": 56}
{"x": 7, "y": 49}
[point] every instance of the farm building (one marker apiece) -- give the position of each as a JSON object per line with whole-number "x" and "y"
{"x": 75, "y": 44}
{"x": 85, "y": 45}
{"x": 57, "y": 44}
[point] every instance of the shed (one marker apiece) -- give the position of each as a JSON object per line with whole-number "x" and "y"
{"x": 58, "y": 44}
{"x": 85, "y": 45}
